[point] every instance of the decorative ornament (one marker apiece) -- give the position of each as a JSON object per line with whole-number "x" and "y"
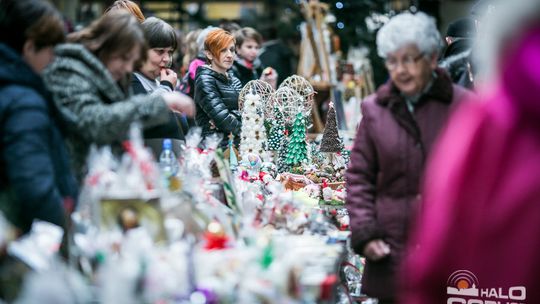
{"x": 302, "y": 86}
{"x": 277, "y": 131}
{"x": 330, "y": 141}
{"x": 289, "y": 103}
{"x": 282, "y": 165}
{"x": 253, "y": 135}
{"x": 270, "y": 168}
{"x": 297, "y": 148}
{"x": 252, "y": 162}
{"x": 233, "y": 159}
{"x": 258, "y": 87}
{"x": 215, "y": 237}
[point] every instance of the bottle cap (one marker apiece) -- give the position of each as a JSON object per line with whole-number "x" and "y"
{"x": 167, "y": 144}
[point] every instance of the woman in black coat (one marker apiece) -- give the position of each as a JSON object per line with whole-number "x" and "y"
{"x": 35, "y": 178}
{"x": 217, "y": 90}
{"x": 162, "y": 42}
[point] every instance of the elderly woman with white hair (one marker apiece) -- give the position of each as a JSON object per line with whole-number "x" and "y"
{"x": 400, "y": 124}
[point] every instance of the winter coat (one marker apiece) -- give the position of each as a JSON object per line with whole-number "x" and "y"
{"x": 481, "y": 205}
{"x": 35, "y": 175}
{"x": 386, "y": 166}
{"x": 246, "y": 74}
{"x": 216, "y": 99}
{"x": 99, "y": 110}
{"x": 173, "y": 128}
{"x": 460, "y": 68}
{"x": 187, "y": 84}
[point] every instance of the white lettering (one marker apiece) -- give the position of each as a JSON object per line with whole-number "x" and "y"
{"x": 475, "y": 301}
{"x": 491, "y": 302}
{"x": 484, "y": 293}
{"x": 502, "y": 295}
{"x": 456, "y": 301}
{"x": 517, "y": 293}
{"x": 492, "y": 293}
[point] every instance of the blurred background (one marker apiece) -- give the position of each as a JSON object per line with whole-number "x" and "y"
{"x": 353, "y": 21}
{"x": 331, "y": 42}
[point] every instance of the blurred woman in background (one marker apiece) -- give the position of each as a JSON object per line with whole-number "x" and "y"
{"x": 35, "y": 176}
{"x": 481, "y": 204}
{"x": 129, "y": 6}
{"x": 399, "y": 126}
{"x": 89, "y": 80}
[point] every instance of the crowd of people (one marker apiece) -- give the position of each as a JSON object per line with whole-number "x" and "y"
{"x": 443, "y": 171}
{"x": 64, "y": 94}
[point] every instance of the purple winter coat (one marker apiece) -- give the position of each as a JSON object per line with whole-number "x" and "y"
{"x": 387, "y": 163}
{"x": 481, "y": 205}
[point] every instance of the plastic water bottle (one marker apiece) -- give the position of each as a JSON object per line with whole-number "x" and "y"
{"x": 167, "y": 160}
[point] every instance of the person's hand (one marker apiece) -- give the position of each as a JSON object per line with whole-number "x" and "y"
{"x": 169, "y": 75}
{"x": 270, "y": 76}
{"x": 179, "y": 102}
{"x": 376, "y": 250}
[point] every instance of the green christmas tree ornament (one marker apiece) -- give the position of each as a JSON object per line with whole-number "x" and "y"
{"x": 297, "y": 149}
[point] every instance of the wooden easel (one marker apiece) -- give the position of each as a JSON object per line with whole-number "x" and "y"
{"x": 314, "y": 63}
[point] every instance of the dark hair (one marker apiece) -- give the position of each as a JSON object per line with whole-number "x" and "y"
{"x": 36, "y": 20}
{"x": 128, "y": 6}
{"x": 461, "y": 28}
{"x": 247, "y": 33}
{"x": 114, "y": 33}
{"x": 159, "y": 34}
{"x": 229, "y": 26}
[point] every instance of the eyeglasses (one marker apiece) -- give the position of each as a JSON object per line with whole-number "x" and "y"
{"x": 408, "y": 62}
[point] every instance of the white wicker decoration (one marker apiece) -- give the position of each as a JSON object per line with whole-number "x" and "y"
{"x": 258, "y": 87}
{"x": 302, "y": 87}
{"x": 290, "y": 103}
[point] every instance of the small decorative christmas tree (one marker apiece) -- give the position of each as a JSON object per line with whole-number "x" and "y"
{"x": 297, "y": 148}
{"x": 282, "y": 156}
{"x": 253, "y": 136}
{"x": 277, "y": 131}
{"x": 330, "y": 141}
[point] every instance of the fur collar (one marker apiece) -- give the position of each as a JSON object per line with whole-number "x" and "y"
{"x": 388, "y": 96}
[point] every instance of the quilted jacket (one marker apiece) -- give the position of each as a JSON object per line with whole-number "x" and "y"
{"x": 35, "y": 177}
{"x": 216, "y": 99}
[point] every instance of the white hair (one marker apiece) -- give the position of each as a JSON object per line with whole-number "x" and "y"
{"x": 406, "y": 28}
{"x": 202, "y": 37}
{"x": 494, "y": 35}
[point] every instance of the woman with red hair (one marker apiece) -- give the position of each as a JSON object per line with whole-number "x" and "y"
{"x": 216, "y": 89}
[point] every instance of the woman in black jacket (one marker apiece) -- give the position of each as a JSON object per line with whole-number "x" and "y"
{"x": 217, "y": 90}
{"x": 162, "y": 42}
